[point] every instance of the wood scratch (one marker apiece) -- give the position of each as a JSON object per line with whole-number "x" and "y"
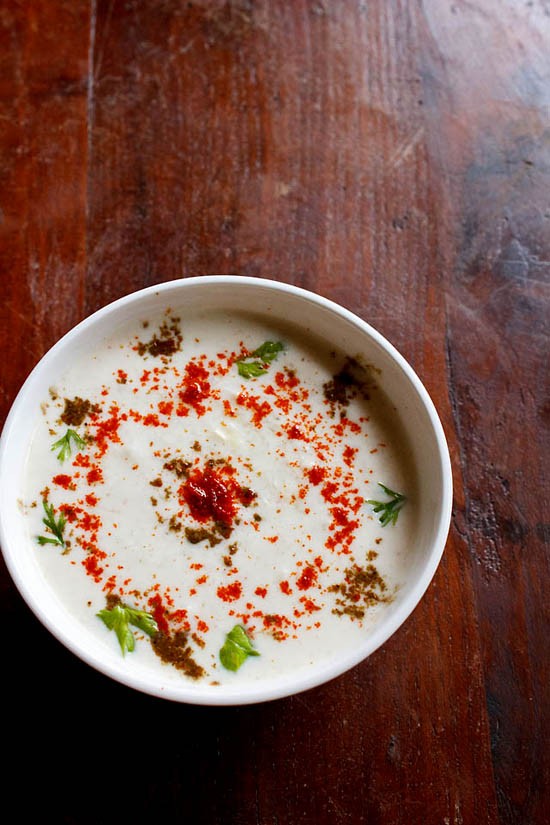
{"x": 405, "y": 148}
{"x": 101, "y": 45}
{"x": 91, "y": 79}
{"x": 90, "y": 104}
{"x": 188, "y": 46}
{"x": 337, "y": 808}
{"x": 26, "y": 320}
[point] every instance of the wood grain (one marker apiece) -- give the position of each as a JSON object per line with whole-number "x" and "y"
{"x": 394, "y": 157}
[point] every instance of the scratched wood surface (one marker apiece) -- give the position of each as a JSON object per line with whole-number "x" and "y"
{"x": 393, "y": 156}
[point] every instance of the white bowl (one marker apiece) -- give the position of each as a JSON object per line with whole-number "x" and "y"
{"x": 341, "y": 328}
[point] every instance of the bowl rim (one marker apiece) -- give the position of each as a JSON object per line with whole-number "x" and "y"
{"x": 263, "y": 690}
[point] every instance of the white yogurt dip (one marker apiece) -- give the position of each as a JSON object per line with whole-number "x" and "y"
{"x": 210, "y": 488}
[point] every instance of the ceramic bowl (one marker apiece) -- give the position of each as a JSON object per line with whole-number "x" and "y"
{"x": 279, "y": 301}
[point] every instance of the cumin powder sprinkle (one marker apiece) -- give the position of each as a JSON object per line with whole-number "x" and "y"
{"x": 347, "y": 384}
{"x": 362, "y": 587}
{"x": 197, "y": 534}
{"x": 178, "y": 466}
{"x": 165, "y": 344}
{"x": 77, "y": 410}
{"x": 174, "y": 650}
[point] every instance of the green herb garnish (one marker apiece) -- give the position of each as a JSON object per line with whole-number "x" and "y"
{"x": 267, "y": 351}
{"x": 388, "y": 509}
{"x": 64, "y": 444}
{"x": 120, "y": 617}
{"x": 252, "y": 369}
{"x": 236, "y": 649}
{"x": 56, "y": 527}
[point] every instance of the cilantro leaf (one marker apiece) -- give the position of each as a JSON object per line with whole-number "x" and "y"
{"x": 142, "y": 620}
{"x": 267, "y": 351}
{"x": 389, "y": 509}
{"x": 117, "y": 619}
{"x": 64, "y": 444}
{"x": 236, "y": 649}
{"x": 55, "y": 527}
{"x": 251, "y": 369}
{"x": 120, "y": 617}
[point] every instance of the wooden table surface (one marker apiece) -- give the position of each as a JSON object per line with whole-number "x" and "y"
{"x": 392, "y": 156}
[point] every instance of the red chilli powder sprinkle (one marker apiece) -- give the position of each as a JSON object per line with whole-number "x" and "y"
{"x": 349, "y": 455}
{"x": 91, "y": 564}
{"x": 286, "y": 380}
{"x": 95, "y": 476}
{"x": 63, "y": 481}
{"x": 307, "y": 578}
{"x": 165, "y": 407}
{"x": 107, "y": 430}
{"x": 309, "y": 604}
{"x": 316, "y": 475}
{"x": 159, "y": 613}
{"x": 195, "y": 390}
{"x": 339, "y": 429}
{"x": 258, "y": 408}
{"x": 228, "y": 409}
{"x": 296, "y": 433}
{"x": 152, "y": 420}
{"x": 230, "y": 593}
{"x": 70, "y": 512}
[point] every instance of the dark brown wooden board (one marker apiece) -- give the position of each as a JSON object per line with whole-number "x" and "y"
{"x": 393, "y": 156}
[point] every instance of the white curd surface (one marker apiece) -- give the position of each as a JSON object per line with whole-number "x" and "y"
{"x": 310, "y": 470}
